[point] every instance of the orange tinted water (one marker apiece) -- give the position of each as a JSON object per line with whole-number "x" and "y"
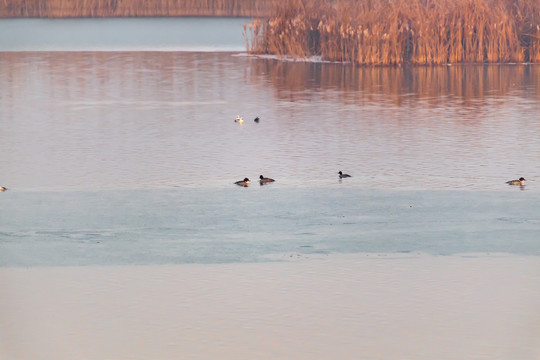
{"x": 142, "y": 120}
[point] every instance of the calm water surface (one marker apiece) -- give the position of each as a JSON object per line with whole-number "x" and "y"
{"x": 87, "y": 120}
{"x": 130, "y": 157}
{"x": 123, "y": 34}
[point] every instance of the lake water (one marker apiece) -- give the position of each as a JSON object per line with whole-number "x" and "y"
{"x": 130, "y": 157}
{"x": 123, "y": 34}
{"x": 122, "y": 235}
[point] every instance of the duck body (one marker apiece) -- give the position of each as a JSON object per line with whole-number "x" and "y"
{"x": 521, "y": 182}
{"x": 239, "y": 119}
{"x": 3, "y": 188}
{"x": 244, "y": 183}
{"x": 256, "y": 119}
{"x": 342, "y": 175}
{"x": 264, "y": 180}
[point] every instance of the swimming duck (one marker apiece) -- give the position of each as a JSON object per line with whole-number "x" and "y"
{"x": 256, "y": 119}
{"x": 264, "y": 180}
{"x": 239, "y": 119}
{"x": 521, "y": 181}
{"x": 3, "y": 188}
{"x": 244, "y": 183}
{"x": 342, "y": 175}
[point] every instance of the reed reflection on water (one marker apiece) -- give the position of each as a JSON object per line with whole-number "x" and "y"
{"x": 470, "y": 85}
{"x": 147, "y": 119}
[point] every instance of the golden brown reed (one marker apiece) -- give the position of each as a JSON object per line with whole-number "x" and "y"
{"x": 117, "y": 8}
{"x": 395, "y": 32}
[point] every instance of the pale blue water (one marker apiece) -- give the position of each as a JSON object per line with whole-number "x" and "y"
{"x": 175, "y": 226}
{"x": 123, "y": 34}
{"x": 130, "y": 157}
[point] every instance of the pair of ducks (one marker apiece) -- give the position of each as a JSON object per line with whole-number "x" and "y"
{"x": 240, "y": 119}
{"x": 262, "y": 180}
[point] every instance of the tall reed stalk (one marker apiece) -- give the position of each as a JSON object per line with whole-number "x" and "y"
{"x": 395, "y": 32}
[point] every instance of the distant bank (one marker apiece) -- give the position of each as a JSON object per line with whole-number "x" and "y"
{"x": 370, "y": 32}
{"x": 133, "y": 8}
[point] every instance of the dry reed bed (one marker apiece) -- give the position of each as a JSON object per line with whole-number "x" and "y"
{"x": 394, "y": 32}
{"x": 117, "y": 8}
